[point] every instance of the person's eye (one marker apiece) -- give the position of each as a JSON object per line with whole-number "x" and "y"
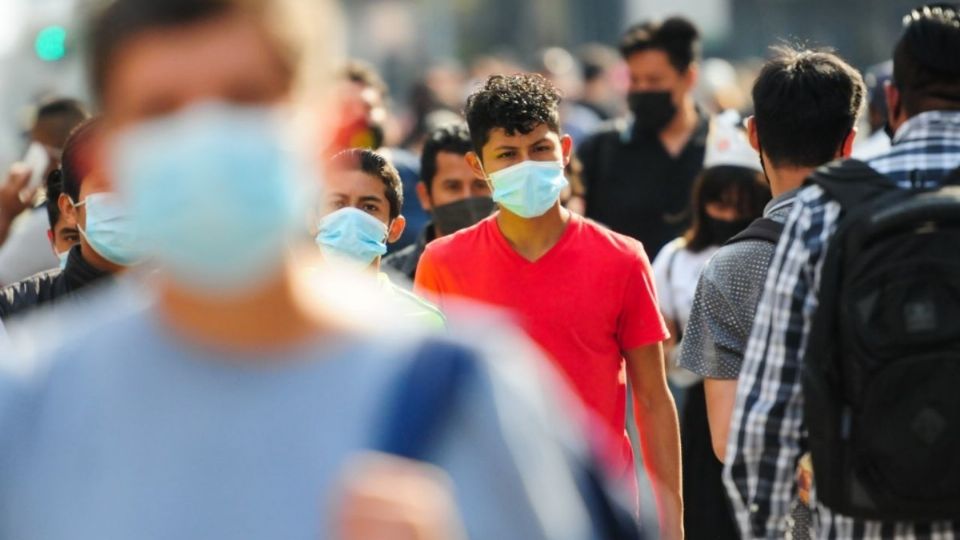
{"x": 371, "y": 208}
{"x": 481, "y": 186}
{"x": 543, "y": 148}
{"x": 505, "y": 155}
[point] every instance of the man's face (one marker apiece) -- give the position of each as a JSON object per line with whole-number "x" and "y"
{"x": 64, "y": 234}
{"x": 454, "y": 181}
{"x": 651, "y": 71}
{"x": 503, "y": 150}
{"x": 228, "y": 58}
{"x": 361, "y": 117}
{"x": 357, "y": 189}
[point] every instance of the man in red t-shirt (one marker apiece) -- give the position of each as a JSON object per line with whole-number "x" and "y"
{"x": 583, "y": 292}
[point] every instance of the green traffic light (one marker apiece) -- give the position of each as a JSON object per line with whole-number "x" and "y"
{"x": 51, "y": 43}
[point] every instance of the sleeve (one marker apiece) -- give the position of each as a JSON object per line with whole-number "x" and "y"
{"x": 661, "y": 278}
{"x": 640, "y": 321}
{"x": 767, "y": 435}
{"x": 714, "y": 340}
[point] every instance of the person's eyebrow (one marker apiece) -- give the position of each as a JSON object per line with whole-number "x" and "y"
{"x": 372, "y": 198}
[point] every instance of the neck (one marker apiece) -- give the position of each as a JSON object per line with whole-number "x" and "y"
{"x": 534, "y": 237}
{"x": 684, "y": 122}
{"x": 94, "y": 259}
{"x": 784, "y": 179}
{"x": 272, "y": 316}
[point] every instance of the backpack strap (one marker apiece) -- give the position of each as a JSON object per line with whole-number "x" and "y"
{"x": 418, "y": 409}
{"x": 952, "y": 179}
{"x": 850, "y": 182}
{"x": 764, "y": 229}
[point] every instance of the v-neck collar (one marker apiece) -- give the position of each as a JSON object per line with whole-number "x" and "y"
{"x": 574, "y": 223}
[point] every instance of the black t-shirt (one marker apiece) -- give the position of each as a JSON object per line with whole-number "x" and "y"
{"x": 635, "y": 187}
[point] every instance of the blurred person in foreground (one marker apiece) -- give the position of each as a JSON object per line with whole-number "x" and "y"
{"x": 23, "y": 215}
{"x": 525, "y": 257}
{"x": 452, "y": 193}
{"x": 876, "y": 140}
{"x": 638, "y": 171}
{"x": 360, "y": 215}
{"x": 770, "y": 429}
{"x": 228, "y": 394}
{"x": 107, "y": 243}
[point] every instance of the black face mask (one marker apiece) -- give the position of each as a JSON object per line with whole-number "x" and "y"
{"x": 452, "y": 217}
{"x": 721, "y": 230}
{"x": 652, "y": 111}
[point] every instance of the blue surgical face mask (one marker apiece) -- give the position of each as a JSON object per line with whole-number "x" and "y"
{"x": 217, "y": 192}
{"x": 63, "y": 258}
{"x": 352, "y": 235}
{"x": 530, "y": 188}
{"x": 110, "y": 229}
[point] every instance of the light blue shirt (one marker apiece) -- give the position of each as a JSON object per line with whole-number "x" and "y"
{"x": 125, "y": 431}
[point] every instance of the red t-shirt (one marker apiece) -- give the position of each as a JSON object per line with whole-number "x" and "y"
{"x": 585, "y": 302}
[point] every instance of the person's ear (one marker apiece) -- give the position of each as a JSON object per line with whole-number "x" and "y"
{"x": 566, "y": 146}
{"x": 396, "y": 229}
{"x": 67, "y": 209}
{"x": 473, "y": 160}
{"x": 691, "y": 76}
{"x": 752, "y": 135}
{"x": 847, "y": 149}
{"x": 893, "y": 97}
{"x": 423, "y": 196}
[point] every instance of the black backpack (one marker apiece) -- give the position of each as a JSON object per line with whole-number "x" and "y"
{"x": 881, "y": 375}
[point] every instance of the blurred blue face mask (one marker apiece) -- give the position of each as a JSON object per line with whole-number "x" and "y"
{"x": 110, "y": 229}
{"x": 63, "y": 258}
{"x": 217, "y": 194}
{"x": 352, "y": 235}
{"x": 530, "y": 188}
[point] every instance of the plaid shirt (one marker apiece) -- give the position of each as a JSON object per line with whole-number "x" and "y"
{"x": 767, "y": 435}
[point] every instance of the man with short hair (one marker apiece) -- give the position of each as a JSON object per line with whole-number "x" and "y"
{"x": 806, "y": 105}
{"x": 768, "y": 432}
{"x": 23, "y": 251}
{"x": 229, "y": 394}
{"x": 638, "y": 172}
{"x": 449, "y": 190}
{"x": 360, "y": 215}
{"x": 63, "y": 233}
{"x": 106, "y": 243}
{"x": 531, "y": 258}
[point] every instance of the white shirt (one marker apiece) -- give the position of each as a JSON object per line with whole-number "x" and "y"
{"x": 676, "y": 271}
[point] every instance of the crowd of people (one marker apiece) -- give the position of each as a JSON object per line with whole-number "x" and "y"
{"x": 236, "y": 304}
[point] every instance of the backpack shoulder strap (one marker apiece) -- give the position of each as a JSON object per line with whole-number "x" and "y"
{"x": 850, "y": 181}
{"x": 420, "y": 400}
{"x": 952, "y": 179}
{"x": 764, "y": 229}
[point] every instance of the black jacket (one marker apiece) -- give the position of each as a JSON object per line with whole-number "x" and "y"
{"x": 406, "y": 260}
{"x": 48, "y": 286}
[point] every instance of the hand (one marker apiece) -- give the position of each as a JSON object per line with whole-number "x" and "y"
{"x": 14, "y": 197}
{"x": 389, "y": 498}
{"x": 805, "y": 478}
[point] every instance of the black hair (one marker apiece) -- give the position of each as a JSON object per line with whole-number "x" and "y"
{"x": 373, "y": 164}
{"x": 57, "y": 117}
{"x": 77, "y": 161}
{"x": 364, "y": 74}
{"x": 676, "y": 36}
{"x": 54, "y": 189}
{"x": 806, "y": 103}
{"x": 113, "y": 27}
{"x": 453, "y": 138}
{"x": 515, "y": 103}
{"x": 738, "y": 186}
{"x": 925, "y": 72}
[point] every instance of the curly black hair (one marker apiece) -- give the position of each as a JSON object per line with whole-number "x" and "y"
{"x": 515, "y": 103}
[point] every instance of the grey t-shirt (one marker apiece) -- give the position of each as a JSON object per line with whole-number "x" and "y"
{"x": 725, "y": 303}
{"x": 126, "y": 430}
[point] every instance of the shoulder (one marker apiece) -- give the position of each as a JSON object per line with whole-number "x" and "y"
{"x": 461, "y": 242}
{"x": 741, "y": 263}
{"x": 608, "y": 132}
{"x": 669, "y": 251}
{"x": 607, "y": 244}
{"x": 398, "y": 259}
